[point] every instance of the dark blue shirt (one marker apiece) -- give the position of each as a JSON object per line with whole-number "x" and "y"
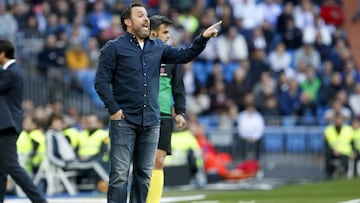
{"x": 127, "y": 76}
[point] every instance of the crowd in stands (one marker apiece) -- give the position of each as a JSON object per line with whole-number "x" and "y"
{"x": 292, "y": 56}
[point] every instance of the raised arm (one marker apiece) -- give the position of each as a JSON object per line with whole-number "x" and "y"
{"x": 172, "y": 55}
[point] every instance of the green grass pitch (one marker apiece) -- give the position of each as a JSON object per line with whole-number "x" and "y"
{"x": 332, "y": 191}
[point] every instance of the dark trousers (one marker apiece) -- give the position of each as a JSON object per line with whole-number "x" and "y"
{"x": 246, "y": 147}
{"x": 9, "y": 165}
{"x": 330, "y": 167}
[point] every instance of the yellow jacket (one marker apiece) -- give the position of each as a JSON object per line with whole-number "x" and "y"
{"x": 340, "y": 142}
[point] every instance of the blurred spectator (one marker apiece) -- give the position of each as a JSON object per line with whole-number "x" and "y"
{"x": 291, "y": 35}
{"x": 53, "y": 26}
{"x": 186, "y": 151}
{"x": 250, "y": 126}
{"x": 339, "y": 54}
{"x": 245, "y": 10}
{"x": 309, "y": 55}
{"x": 258, "y": 40}
{"x": 332, "y": 13}
{"x": 61, "y": 154}
{"x": 237, "y": 89}
{"x": 354, "y": 100}
{"x": 287, "y": 12}
{"x": 289, "y": 98}
{"x": 232, "y": 48}
{"x": 42, "y": 11}
{"x": 311, "y": 84}
{"x": 343, "y": 96}
{"x": 224, "y": 12}
{"x": 322, "y": 47}
{"x": 76, "y": 58}
{"x": 304, "y": 14}
{"x": 271, "y": 37}
{"x": 25, "y": 145}
{"x": 190, "y": 80}
{"x": 218, "y": 98}
{"x": 21, "y": 13}
{"x": 337, "y": 107}
{"x": 99, "y": 19}
{"x": 338, "y": 138}
{"x": 279, "y": 59}
{"x": 94, "y": 142}
{"x": 199, "y": 102}
{"x": 52, "y": 60}
{"x": 326, "y": 72}
{"x": 270, "y": 10}
{"x": 79, "y": 8}
{"x": 258, "y": 64}
{"x": 38, "y": 143}
{"x": 270, "y": 111}
{"x": 350, "y": 70}
{"x": 328, "y": 90}
{"x": 265, "y": 87}
{"x": 77, "y": 32}
{"x": 77, "y": 61}
{"x": 189, "y": 21}
{"x": 215, "y": 76}
{"x": 319, "y": 29}
{"x": 307, "y": 109}
{"x": 8, "y": 23}
{"x": 115, "y": 29}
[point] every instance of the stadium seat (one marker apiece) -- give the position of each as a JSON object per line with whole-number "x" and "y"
{"x": 315, "y": 141}
{"x": 55, "y": 177}
{"x": 288, "y": 120}
{"x": 295, "y": 141}
{"x": 273, "y": 140}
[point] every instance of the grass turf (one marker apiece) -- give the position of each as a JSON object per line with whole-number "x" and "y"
{"x": 332, "y": 191}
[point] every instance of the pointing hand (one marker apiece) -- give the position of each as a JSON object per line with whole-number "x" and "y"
{"x": 212, "y": 31}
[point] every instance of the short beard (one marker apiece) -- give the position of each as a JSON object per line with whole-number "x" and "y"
{"x": 141, "y": 34}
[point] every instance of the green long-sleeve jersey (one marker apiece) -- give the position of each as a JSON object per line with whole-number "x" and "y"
{"x": 172, "y": 91}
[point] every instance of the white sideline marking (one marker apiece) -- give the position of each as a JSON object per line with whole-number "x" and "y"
{"x": 351, "y": 201}
{"x": 102, "y": 200}
{"x": 183, "y": 198}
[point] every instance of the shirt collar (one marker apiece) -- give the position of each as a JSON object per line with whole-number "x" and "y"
{"x": 7, "y": 64}
{"x": 132, "y": 37}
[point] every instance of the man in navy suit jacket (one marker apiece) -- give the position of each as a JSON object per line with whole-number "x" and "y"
{"x": 11, "y": 90}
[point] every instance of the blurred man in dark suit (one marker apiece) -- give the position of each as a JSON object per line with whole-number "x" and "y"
{"x": 11, "y": 89}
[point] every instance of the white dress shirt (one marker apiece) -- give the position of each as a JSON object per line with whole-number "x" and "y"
{"x": 7, "y": 64}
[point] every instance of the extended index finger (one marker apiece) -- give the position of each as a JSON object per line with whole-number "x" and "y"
{"x": 217, "y": 24}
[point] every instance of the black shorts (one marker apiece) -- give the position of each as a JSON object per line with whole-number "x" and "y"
{"x": 166, "y": 127}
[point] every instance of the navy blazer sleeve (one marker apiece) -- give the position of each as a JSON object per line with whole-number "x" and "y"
{"x": 11, "y": 90}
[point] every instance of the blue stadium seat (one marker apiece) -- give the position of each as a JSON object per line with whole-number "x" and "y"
{"x": 295, "y": 141}
{"x": 204, "y": 120}
{"x": 315, "y": 141}
{"x": 288, "y": 120}
{"x": 273, "y": 141}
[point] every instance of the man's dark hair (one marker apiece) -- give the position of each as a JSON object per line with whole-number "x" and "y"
{"x": 126, "y": 13}
{"x": 157, "y": 20}
{"x": 7, "y": 47}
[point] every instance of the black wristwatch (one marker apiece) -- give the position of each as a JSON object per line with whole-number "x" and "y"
{"x": 183, "y": 114}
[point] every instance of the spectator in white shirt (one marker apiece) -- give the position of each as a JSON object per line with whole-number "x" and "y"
{"x": 279, "y": 59}
{"x": 250, "y": 126}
